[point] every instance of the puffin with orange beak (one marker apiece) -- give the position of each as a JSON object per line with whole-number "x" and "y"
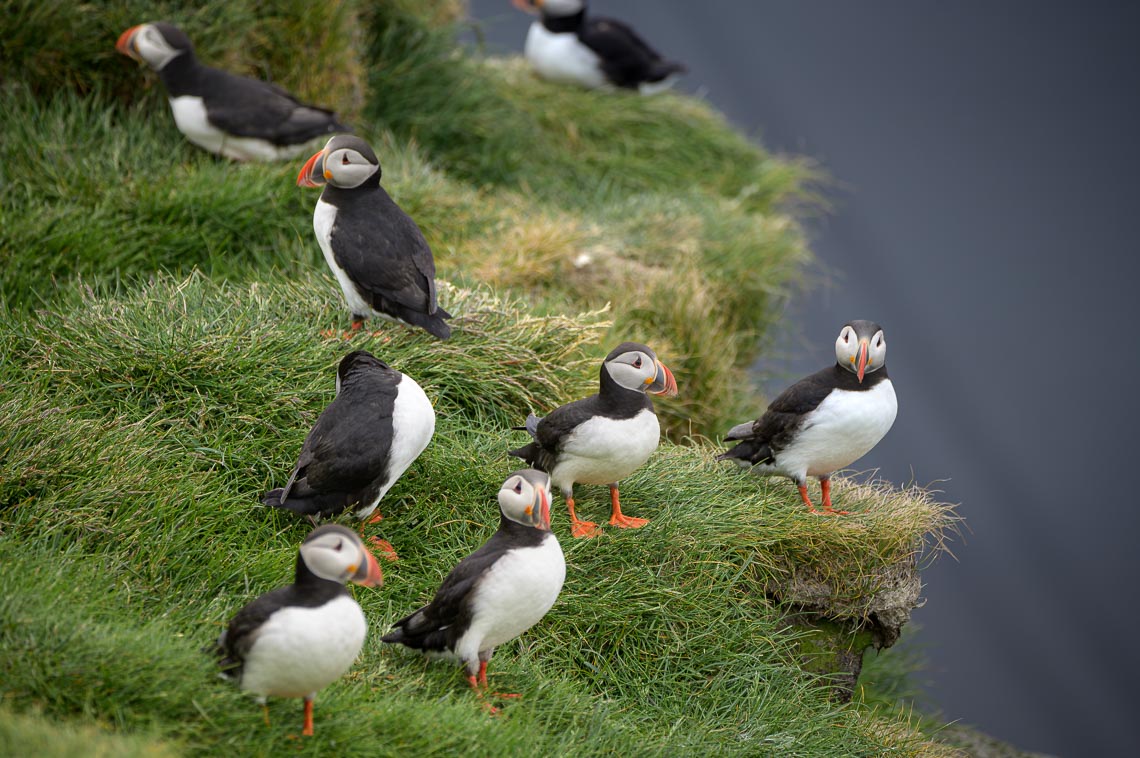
{"x": 603, "y": 438}
{"x": 825, "y": 421}
{"x": 235, "y": 116}
{"x": 298, "y": 639}
{"x": 376, "y": 252}
{"x": 499, "y": 591}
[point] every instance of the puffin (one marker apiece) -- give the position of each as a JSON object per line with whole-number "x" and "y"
{"x": 377, "y": 253}
{"x": 603, "y": 438}
{"x": 565, "y": 46}
{"x": 295, "y": 640}
{"x": 825, "y": 421}
{"x": 234, "y": 116}
{"x": 378, "y": 423}
{"x": 498, "y": 592}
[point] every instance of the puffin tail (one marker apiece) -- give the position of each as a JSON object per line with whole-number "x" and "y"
{"x": 748, "y": 453}
{"x": 320, "y": 506}
{"x": 433, "y": 323}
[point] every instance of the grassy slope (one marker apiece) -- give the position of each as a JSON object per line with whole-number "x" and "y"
{"x": 140, "y": 421}
{"x": 140, "y": 429}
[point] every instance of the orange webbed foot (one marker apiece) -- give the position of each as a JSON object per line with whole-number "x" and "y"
{"x": 383, "y": 549}
{"x": 628, "y": 522}
{"x": 584, "y": 529}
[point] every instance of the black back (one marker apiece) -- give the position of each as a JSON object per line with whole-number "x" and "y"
{"x": 307, "y": 591}
{"x": 774, "y": 430}
{"x": 242, "y": 106}
{"x": 345, "y": 458}
{"x": 386, "y": 256}
{"x": 627, "y": 60}
{"x": 439, "y": 624}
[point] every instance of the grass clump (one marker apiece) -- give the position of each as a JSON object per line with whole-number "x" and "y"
{"x": 143, "y": 426}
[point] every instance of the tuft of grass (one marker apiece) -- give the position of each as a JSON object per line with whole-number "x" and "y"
{"x": 142, "y": 425}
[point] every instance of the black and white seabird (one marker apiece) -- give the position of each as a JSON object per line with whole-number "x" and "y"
{"x": 377, "y": 253}
{"x": 295, "y": 640}
{"x": 235, "y": 116}
{"x": 499, "y": 591}
{"x": 378, "y": 423}
{"x": 603, "y": 438}
{"x": 566, "y": 46}
{"x": 825, "y": 421}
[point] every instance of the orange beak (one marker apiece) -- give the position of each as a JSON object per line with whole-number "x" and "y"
{"x": 663, "y": 383}
{"x": 313, "y": 172}
{"x": 862, "y": 367}
{"x": 124, "y": 45}
{"x": 369, "y": 574}
{"x": 545, "y": 509}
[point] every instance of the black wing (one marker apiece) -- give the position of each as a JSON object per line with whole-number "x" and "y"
{"x": 768, "y": 435}
{"x": 234, "y": 643}
{"x": 386, "y": 256}
{"x": 246, "y": 107}
{"x": 627, "y": 60}
{"x": 345, "y": 452}
{"x": 550, "y": 432}
{"x": 440, "y": 623}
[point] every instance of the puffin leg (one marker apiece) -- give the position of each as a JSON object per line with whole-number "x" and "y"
{"x": 376, "y": 518}
{"x": 617, "y": 518}
{"x": 483, "y": 683}
{"x": 804, "y": 495}
{"x": 825, "y": 486}
{"x": 307, "y": 731}
{"x": 578, "y": 528}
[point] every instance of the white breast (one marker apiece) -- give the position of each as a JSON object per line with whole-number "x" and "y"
{"x": 324, "y": 216}
{"x": 605, "y": 450}
{"x": 512, "y": 596}
{"x": 413, "y": 424}
{"x": 299, "y": 651}
{"x": 190, "y": 118}
{"x": 843, "y": 429}
{"x": 563, "y": 58}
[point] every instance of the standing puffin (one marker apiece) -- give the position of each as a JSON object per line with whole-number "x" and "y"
{"x": 295, "y": 640}
{"x": 565, "y": 46}
{"x": 499, "y": 591}
{"x": 825, "y": 421}
{"x": 235, "y": 116}
{"x": 377, "y": 253}
{"x": 378, "y": 423}
{"x": 603, "y": 438}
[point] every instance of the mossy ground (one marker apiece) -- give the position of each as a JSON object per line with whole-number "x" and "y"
{"x": 162, "y": 362}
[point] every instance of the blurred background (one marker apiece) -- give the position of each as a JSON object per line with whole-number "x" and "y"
{"x": 981, "y": 161}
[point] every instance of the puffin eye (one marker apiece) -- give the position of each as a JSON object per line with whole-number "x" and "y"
{"x": 339, "y": 545}
{"x": 344, "y": 161}
{"x": 518, "y": 488}
{"x": 637, "y": 363}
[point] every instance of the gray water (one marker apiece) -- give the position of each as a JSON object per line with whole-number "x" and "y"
{"x": 984, "y": 157}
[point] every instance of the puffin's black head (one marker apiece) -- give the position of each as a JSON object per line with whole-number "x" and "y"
{"x": 335, "y": 553}
{"x": 634, "y": 366}
{"x": 861, "y": 347}
{"x": 551, "y": 8}
{"x": 155, "y": 44}
{"x": 356, "y": 362}
{"x": 346, "y": 162}
{"x": 525, "y": 498}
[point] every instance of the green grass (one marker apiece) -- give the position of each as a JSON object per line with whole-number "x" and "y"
{"x": 142, "y": 427}
{"x": 161, "y": 362}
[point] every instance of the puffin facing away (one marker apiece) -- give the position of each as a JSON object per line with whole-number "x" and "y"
{"x": 566, "y": 46}
{"x": 378, "y": 423}
{"x": 499, "y": 591}
{"x": 295, "y": 640}
{"x": 826, "y": 421}
{"x": 603, "y": 438}
{"x": 377, "y": 253}
{"x": 235, "y": 116}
